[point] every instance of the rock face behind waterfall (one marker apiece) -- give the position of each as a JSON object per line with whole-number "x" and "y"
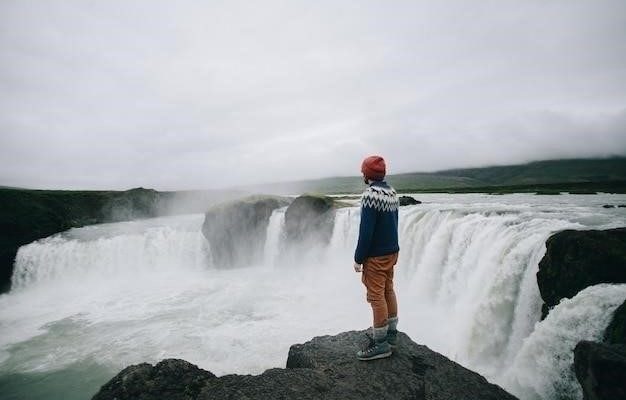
{"x": 236, "y": 230}
{"x": 601, "y": 370}
{"x": 616, "y": 331}
{"x": 323, "y": 368}
{"x": 575, "y": 260}
{"x": 309, "y": 220}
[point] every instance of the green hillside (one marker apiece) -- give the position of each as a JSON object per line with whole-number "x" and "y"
{"x": 584, "y": 175}
{"x": 553, "y": 171}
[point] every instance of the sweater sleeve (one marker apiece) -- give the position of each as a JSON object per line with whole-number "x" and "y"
{"x": 366, "y": 232}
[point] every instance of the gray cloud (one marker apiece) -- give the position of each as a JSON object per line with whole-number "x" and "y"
{"x": 199, "y": 95}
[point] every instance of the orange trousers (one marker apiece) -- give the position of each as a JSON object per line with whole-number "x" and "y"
{"x": 378, "y": 279}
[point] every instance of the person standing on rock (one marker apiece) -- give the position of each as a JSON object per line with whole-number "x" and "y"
{"x": 376, "y": 255}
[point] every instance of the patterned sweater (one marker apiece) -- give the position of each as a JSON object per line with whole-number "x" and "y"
{"x": 378, "y": 231}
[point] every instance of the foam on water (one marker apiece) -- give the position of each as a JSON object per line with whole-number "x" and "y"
{"x": 118, "y": 294}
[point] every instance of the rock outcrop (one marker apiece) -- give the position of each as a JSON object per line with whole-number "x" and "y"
{"x": 236, "y": 230}
{"x": 323, "y": 368}
{"x": 170, "y": 379}
{"x": 575, "y": 260}
{"x": 408, "y": 201}
{"x": 601, "y": 370}
{"x": 309, "y": 220}
{"x": 28, "y": 215}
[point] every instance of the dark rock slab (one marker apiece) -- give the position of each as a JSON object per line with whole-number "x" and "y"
{"x": 236, "y": 230}
{"x": 408, "y": 201}
{"x": 170, "y": 379}
{"x": 601, "y": 370}
{"x": 616, "y": 331}
{"x": 323, "y": 368}
{"x": 575, "y": 260}
{"x": 309, "y": 219}
{"x": 272, "y": 384}
{"x": 413, "y": 372}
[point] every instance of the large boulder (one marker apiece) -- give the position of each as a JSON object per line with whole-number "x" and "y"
{"x": 309, "y": 220}
{"x": 601, "y": 370}
{"x": 575, "y": 260}
{"x": 323, "y": 368}
{"x": 236, "y": 230}
{"x": 616, "y": 331}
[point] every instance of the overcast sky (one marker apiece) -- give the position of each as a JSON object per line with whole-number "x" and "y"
{"x": 204, "y": 94}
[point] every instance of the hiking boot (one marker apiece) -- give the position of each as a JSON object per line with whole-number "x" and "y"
{"x": 378, "y": 346}
{"x": 392, "y": 331}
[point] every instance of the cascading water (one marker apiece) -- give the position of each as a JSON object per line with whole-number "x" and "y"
{"x": 274, "y": 236}
{"x": 115, "y": 250}
{"x": 584, "y": 317}
{"x": 117, "y": 294}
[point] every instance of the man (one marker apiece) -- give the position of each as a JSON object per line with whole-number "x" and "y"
{"x": 376, "y": 254}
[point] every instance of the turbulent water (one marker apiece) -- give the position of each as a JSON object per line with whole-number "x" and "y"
{"x": 90, "y": 301}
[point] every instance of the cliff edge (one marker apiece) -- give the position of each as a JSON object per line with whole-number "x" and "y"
{"x": 323, "y": 368}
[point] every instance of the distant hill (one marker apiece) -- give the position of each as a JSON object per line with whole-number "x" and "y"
{"x": 553, "y": 175}
{"x": 540, "y": 172}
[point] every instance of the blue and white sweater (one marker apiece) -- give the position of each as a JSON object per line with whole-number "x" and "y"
{"x": 378, "y": 231}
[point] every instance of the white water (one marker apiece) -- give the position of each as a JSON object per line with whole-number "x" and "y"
{"x": 124, "y": 293}
{"x": 543, "y": 368}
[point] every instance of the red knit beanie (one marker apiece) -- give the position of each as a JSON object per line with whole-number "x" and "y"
{"x": 373, "y": 167}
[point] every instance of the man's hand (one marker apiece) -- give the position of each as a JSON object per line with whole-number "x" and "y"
{"x": 358, "y": 267}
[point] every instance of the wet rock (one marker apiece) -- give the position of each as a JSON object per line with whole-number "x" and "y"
{"x": 608, "y": 206}
{"x": 324, "y": 368}
{"x": 601, "y": 370}
{"x": 575, "y": 260}
{"x": 236, "y": 230}
{"x": 309, "y": 220}
{"x": 616, "y": 331}
{"x": 408, "y": 201}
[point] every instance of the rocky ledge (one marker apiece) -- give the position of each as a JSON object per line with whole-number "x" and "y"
{"x": 323, "y": 368}
{"x": 575, "y": 260}
{"x": 601, "y": 370}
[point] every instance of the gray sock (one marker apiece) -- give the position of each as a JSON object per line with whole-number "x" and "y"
{"x": 380, "y": 334}
{"x": 393, "y": 323}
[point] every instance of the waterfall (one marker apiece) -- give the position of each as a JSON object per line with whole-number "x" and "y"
{"x": 274, "y": 236}
{"x": 112, "y": 250}
{"x": 480, "y": 268}
{"x": 465, "y": 281}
